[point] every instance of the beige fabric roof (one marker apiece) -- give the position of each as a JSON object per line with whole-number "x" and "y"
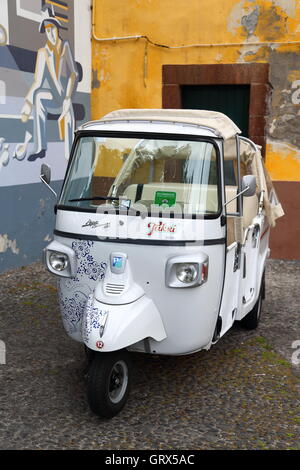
{"x": 219, "y": 122}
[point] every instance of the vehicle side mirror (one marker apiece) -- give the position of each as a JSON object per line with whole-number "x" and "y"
{"x": 248, "y": 188}
{"x": 45, "y": 177}
{"x": 248, "y": 185}
{"x": 45, "y": 173}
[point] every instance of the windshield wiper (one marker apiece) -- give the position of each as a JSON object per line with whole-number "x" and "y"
{"x": 95, "y": 198}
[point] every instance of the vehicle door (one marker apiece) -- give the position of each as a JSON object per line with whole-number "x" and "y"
{"x": 231, "y": 289}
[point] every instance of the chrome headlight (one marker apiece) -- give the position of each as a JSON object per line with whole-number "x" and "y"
{"x": 187, "y": 271}
{"x": 58, "y": 261}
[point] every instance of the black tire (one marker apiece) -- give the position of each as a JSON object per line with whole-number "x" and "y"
{"x": 251, "y": 320}
{"x": 109, "y": 380}
{"x": 263, "y": 286}
{"x": 89, "y": 354}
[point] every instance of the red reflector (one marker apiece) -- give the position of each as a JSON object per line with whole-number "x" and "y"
{"x": 204, "y": 272}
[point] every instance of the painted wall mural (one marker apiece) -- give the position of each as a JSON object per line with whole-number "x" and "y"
{"x": 45, "y": 89}
{"x": 54, "y": 84}
{"x": 44, "y": 84}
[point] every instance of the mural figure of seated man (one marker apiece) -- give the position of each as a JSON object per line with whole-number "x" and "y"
{"x": 55, "y": 81}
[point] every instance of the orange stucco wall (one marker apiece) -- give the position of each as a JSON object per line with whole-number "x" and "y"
{"x": 127, "y": 73}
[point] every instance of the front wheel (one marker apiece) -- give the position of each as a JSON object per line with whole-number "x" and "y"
{"x": 109, "y": 380}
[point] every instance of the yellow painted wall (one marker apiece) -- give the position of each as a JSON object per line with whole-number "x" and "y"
{"x": 128, "y": 73}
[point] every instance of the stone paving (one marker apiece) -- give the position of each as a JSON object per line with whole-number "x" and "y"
{"x": 242, "y": 394}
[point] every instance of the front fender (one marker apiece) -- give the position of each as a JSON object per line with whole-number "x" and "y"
{"x": 113, "y": 327}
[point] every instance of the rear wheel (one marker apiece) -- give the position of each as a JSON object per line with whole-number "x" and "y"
{"x": 263, "y": 286}
{"x": 251, "y": 320}
{"x": 109, "y": 380}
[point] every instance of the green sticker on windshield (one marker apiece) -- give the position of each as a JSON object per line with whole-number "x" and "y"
{"x": 165, "y": 197}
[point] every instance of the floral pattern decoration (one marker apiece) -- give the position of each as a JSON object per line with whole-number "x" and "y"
{"x": 91, "y": 318}
{"x": 74, "y": 292}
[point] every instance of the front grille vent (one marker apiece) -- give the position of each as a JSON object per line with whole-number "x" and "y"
{"x": 114, "y": 289}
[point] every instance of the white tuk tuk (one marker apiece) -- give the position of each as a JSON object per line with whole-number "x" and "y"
{"x": 161, "y": 239}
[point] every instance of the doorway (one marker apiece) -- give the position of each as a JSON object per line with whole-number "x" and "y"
{"x": 232, "y": 100}
{"x": 220, "y": 86}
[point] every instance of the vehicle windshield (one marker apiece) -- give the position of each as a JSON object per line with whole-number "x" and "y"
{"x": 143, "y": 174}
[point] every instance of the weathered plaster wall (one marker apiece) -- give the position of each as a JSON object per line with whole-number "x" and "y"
{"x": 27, "y": 223}
{"x": 127, "y": 73}
{"x": 284, "y": 119}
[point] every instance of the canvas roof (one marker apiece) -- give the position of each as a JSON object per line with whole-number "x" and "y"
{"x": 221, "y": 124}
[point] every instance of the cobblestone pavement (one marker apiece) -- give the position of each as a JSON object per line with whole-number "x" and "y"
{"x": 242, "y": 394}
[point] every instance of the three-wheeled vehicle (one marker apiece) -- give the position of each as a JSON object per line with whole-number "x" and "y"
{"x": 161, "y": 239}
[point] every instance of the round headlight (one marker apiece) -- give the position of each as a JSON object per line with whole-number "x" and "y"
{"x": 58, "y": 261}
{"x": 186, "y": 273}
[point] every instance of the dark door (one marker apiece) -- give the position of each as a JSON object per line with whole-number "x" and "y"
{"x": 232, "y": 100}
